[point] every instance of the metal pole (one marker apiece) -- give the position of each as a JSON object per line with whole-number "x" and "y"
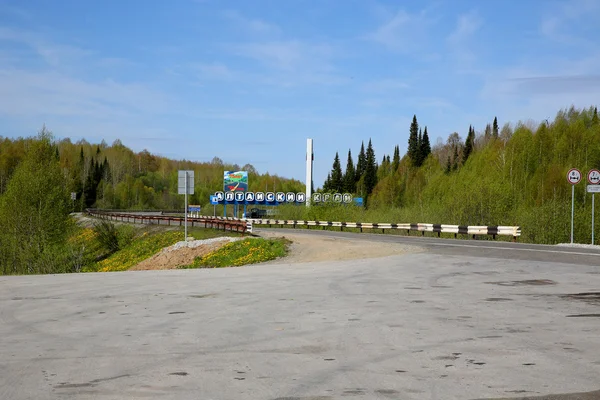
{"x": 214, "y": 210}
{"x": 593, "y": 194}
{"x": 185, "y": 212}
{"x": 572, "y": 209}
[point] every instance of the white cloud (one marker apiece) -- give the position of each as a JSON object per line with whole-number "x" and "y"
{"x": 287, "y": 55}
{"x": 253, "y": 25}
{"x": 52, "y": 53}
{"x": 404, "y": 32}
{"x": 466, "y": 26}
{"x": 29, "y": 93}
{"x": 214, "y": 70}
{"x": 560, "y": 23}
{"x": 461, "y": 43}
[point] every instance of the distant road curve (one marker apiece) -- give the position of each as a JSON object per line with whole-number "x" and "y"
{"x": 473, "y": 248}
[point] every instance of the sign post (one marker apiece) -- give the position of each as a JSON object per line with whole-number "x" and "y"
{"x": 185, "y": 186}
{"x": 574, "y": 177}
{"x": 594, "y": 179}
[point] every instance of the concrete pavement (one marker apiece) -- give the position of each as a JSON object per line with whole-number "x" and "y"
{"x": 434, "y": 325}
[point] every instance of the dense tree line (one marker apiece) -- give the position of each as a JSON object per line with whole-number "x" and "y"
{"x": 514, "y": 175}
{"x": 114, "y": 176}
{"x": 38, "y": 175}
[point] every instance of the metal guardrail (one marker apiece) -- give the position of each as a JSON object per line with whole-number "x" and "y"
{"x": 206, "y": 222}
{"x": 471, "y": 230}
{"x": 245, "y": 225}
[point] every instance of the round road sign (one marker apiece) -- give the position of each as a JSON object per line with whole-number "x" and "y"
{"x": 574, "y": 176}
{"x": 594, "y": 177}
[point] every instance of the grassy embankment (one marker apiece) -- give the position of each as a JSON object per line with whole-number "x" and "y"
{"x": 110, "y": 247}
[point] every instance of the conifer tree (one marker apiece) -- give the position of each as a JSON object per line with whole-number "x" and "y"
{"x": 413, "y": 141}
{"x": 595, "y": 116}
{"x": 469, "y": 142}
{"x": 396, "y": 160}
{"x": 488, "y": 131}
{"x": 336, "y": 175}
{"x": 370, "y": 170}
{"x": 495, "y": 129}
{"x": 361, "y": 163}
{"x": 425, "y": 146}
{"x": 350, "y": 175}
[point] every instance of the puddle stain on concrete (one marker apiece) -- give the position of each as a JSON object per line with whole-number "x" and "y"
{"x": 67, "y": 385}
{"x": 527, "y": 282}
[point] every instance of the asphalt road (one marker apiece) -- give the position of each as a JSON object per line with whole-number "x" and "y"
{"x": 460, "y": 320}
{"x": 468, "y": 247}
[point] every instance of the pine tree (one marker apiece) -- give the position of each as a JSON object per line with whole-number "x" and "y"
{"x": 469, "y": 142}
{"x": 336, "y": 175}
{"x": 419, "y": 148}
{"x": 595, "y": 116}
{"x": 361, "y": 163}
{"x": 396, "y": 160}
{"x": 449, "y": 165}
{"x": 327, "y": 183}
{"x": 425, "y": 146}
{"x": 495, "y": 129}
{"x": 350, "y": 175}
{"x": 413, "y": 141}
{"x": 370, "y": 170}
{"x": 488, "y": 131}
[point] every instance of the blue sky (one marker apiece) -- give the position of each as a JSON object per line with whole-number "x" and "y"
{"x": 249, "y": 81}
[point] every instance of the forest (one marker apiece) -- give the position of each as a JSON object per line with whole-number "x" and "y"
{"x": 514, "y": 175}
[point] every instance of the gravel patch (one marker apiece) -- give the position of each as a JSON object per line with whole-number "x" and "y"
{"x": 580, "y": 245}
{"x": 192, "y": 244}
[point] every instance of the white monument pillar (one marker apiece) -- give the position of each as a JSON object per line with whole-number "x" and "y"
{"x": 310, "y": 157}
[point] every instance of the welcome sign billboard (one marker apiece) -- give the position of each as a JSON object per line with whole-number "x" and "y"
{"x": 235, "y": 181}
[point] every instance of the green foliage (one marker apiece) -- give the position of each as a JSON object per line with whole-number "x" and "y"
{"x": 243, "y": 252}
{"x": 34, "y": 213}
{"x": 112, "y": 238}
{"x": 139, "y": 250}
{"x": 517, "y": 177}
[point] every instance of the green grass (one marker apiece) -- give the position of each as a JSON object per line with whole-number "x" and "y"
{"x": 243, "y": 252}
{"x": 146, "y": 241}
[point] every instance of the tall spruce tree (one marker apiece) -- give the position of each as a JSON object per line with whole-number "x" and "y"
{"x": 361, "y": 163}
{"x": 488, "y": 132}
{"x": 370, "y": 169}
{"x": 425, "y": 146}
{"x": 396, "y": 160}
{"x": 350, "y": 175}
{"x": 337, "y": 183}
{"x": 469, "y": 143}
{"x": 495, "y": 129}
{"x": 413, "y": 141}
{"x": 419, "y": 148}
{"x": 595, "y": 116}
